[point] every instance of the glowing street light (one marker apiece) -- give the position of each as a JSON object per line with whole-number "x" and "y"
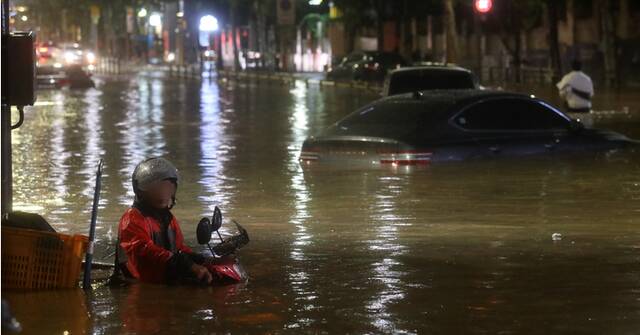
{"x": 142, "y": 13}
{"x": 208, "y": 23}
{"x": 315, "y": 2}
{"x": 155, "y": 20}
{"x": 24, "y": 18}
{"x": 483, "y": 6}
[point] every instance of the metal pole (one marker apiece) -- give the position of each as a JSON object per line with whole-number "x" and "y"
{"x": 5, "y": 124}
{"x": 86, "y": 281}
{"x": 7, "y": 178}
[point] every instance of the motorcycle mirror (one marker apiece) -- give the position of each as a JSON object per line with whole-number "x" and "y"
{"x": 216, "y": 219}
{"x": 203, "y": 232}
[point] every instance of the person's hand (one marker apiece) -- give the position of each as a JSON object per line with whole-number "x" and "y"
{"x": 202, "y": 273}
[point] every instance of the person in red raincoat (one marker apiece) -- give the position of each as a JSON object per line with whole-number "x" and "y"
{"x": 150, "y": 244}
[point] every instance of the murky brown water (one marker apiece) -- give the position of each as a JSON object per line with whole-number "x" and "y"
{"x": 458, "y": 248}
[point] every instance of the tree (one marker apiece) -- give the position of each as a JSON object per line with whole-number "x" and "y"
{"x": 609, "y": 40}
{"x": 451, "y": 33}
{"x": 512, "y": 19}
{"x": 355, "y": 14}
{"x": 554, "y": 44}
{"x": 233, "y": 9}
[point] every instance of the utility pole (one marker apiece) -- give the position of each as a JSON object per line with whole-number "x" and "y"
{"x": 7, "y": 176}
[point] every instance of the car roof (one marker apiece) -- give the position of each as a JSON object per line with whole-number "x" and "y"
{"x": 444, "y": 100}
{"x": 453, "y": 96}
{"x": 375, "y": 52}
{"x": 70, "y": 45}
{"x": 435, "y": 67}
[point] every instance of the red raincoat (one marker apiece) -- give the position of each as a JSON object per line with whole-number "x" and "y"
{"x": 145, "y": 259}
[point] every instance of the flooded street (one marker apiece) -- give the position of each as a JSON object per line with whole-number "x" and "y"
{"x": 462, "y": 248}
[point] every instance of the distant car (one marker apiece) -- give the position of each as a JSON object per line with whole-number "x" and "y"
{"x": 432, "y": 77}
{"x": 77, "y": 77}
{"x": 50, "y": 77}
{"x": 209, "y": 55}
{"x": 48, "y": 54}
{"x": 455, "y": 125}
{"x": 72, "y": 54}
{"x": 366, "y": 65}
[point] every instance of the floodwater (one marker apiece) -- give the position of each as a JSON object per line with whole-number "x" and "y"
{"x": 461, "y": 248}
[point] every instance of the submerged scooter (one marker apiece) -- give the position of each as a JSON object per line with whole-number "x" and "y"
{"x": 223, "y": 263}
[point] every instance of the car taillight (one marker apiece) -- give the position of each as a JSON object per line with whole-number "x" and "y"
{"x": 405, "y": 157}
{"x": 372, "y": 66}
{"x": 309, "y": 152}
{"x": 43, "y": 50}
{"x": 309, "y": 156}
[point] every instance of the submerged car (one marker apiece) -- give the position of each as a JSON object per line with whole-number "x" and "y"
{"x": 366, "y": 65}
{"x": 432, "y": 77}
{"x": 455, "y": 125}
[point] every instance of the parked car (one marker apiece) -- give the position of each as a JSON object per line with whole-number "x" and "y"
{"x": 366, "y": 65}
{"x": 50, "y": 76}
{"x": 455, "y": 125}
{"x": 432, "y": 77}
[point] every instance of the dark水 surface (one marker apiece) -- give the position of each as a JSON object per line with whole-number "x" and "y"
{"x": 458, "y": 248}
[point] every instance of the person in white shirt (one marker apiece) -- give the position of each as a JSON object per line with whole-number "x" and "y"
{"x": 576, "y": 89}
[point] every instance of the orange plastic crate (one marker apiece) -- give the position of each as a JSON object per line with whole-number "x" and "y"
{"x": 34, "y": 259}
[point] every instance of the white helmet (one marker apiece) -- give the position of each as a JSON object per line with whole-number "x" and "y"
{"x": 152, "y": 170}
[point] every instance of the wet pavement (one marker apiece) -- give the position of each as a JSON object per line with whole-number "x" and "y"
{"x": 456, "y": 248}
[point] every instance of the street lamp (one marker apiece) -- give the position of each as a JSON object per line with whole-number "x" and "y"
{"x": 142, "y": 13}
{"x": 208, "y": 23}
{"x": 155, "y": 20}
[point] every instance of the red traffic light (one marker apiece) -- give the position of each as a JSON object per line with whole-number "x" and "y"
{"x": 483, "y": 6}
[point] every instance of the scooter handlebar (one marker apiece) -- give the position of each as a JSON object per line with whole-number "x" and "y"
{"x": 233, "y": 243}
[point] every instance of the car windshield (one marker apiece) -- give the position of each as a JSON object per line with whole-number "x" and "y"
{"x": 510, "y": 114}
{"x": 410, "y": 81}
{"x": 393, "y": 119}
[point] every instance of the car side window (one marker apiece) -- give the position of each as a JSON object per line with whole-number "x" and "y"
{"x": 510, "y": 115}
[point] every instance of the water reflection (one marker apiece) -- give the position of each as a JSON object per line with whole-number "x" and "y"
{"x": 386, "y": 245}
{"x": 59, "y": 155}
{"x": 299, "y": 277}
{"x": 141, "y": 129}
{"x": 215, "y": 150}
{"x": 37, "y": 309}
{"x": 93, "y": 140}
